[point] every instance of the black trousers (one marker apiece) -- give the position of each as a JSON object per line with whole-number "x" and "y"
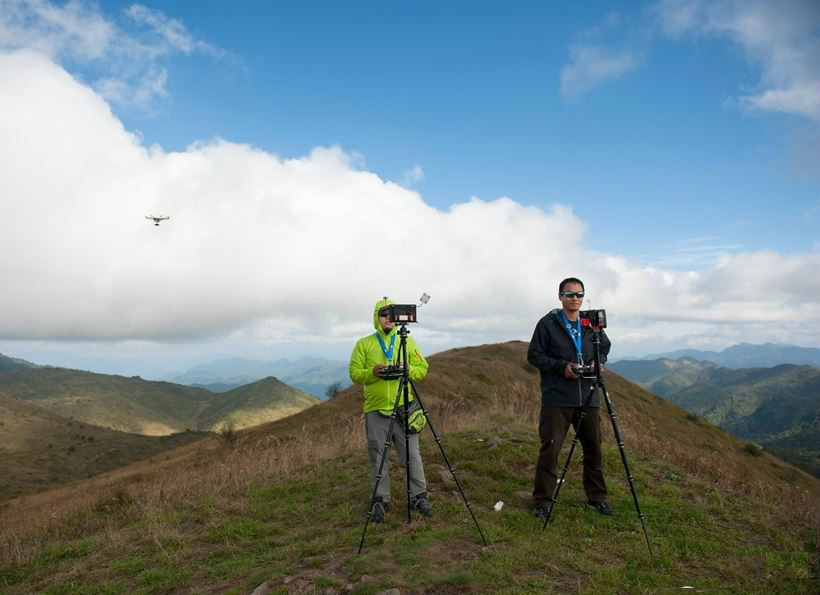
{"x": 552, "y": 430}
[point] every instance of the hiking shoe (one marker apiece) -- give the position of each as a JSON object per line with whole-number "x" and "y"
{"x": 601, "y": 507}
{"x": 378, "y": 511}
{"x": 422, "y": 504}
{"x": 541, "y": 511}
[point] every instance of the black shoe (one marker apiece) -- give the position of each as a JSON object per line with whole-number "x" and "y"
{"x": 378, "y": 511}
{"x": 422, "y": 504}
{"x": 601, "y": 507}
{"x": 541, "y": 511}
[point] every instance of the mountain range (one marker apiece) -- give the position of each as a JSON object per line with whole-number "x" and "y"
{"x": 149, "y": 407}
{"x": 776, "y": 407}
{"x": 312, "y": 375}
{"x": 746, "y": 355}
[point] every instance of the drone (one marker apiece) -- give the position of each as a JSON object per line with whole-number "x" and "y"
{"x": 157, "y": 218}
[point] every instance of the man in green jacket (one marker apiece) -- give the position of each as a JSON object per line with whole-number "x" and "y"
{"x": 371, "y": 355}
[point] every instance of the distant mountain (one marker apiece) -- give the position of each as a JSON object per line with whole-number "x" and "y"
{"x": 148, "y": 407}
{"x": 40, "y": 450}
{"x": 250, "y": 405}
{"x": 309, "y": 374}
{"x": 664, "y": 376}
{"x": 777, "y": 407}
{"x": 8, "y": 364}
{"x": 747, "y": 355}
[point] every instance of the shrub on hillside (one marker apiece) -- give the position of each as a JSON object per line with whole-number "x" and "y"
{"x": 227, "y": 431}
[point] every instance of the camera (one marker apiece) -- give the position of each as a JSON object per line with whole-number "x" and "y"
{"x": 585, "y": 370}
{"x": 594, "y": 319}
{"x": 402, "y": 313}
{"x": 392, "y": 372}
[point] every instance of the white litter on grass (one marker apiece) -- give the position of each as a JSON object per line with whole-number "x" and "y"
{"x": 687, "y": 587}
{"x": 479, "y": 439}
{"x": 498, "y": 506}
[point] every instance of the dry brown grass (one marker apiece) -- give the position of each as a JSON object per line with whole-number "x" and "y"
{"x": 467, "y": 389}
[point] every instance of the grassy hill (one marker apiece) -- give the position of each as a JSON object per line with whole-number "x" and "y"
{"x": 40, "y": 450}
{"x": 147, "y": 407}
{"x": 283, "y": 506}
{"x": 250, "y": 405}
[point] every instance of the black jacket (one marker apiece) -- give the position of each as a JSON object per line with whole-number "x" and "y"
{"x": 550, "y": 349}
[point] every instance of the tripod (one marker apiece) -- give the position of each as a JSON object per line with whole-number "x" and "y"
{"x": 403, "y": 395}
{"x": 598, "y": 381}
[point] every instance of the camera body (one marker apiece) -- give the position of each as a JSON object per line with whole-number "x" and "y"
{"x": 402, "y": 313}
{"x": 585, "y": 370}
{"x": 392, "y": 372}
{"x": 594, "y": 319}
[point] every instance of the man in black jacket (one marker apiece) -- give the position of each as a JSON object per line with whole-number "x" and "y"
{"x": 558, "y": 341}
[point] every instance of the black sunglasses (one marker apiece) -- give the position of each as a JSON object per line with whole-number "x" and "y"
{"x": 572, "y": 294}
{"x": 384, "y": 313}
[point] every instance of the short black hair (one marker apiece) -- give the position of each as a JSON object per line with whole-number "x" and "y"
{"x": 570, "y": 280}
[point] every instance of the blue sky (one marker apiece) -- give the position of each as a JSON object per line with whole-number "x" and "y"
{"x": 471, "y": 93}
{"x": 668, "y": 152}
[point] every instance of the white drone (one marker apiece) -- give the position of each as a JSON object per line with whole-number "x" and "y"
{"x": 157, "y": 218}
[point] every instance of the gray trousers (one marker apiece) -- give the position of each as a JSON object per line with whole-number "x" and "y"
{"x": 376, "y": 426}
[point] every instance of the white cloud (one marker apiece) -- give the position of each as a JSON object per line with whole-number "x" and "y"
{"x": 266, "y": 249}
{"x": 781, "y": 38}
{"x": 123, "y": 58}
{"x": 592, "y": 65}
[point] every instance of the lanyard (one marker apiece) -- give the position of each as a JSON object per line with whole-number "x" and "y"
{"x": 388, "y": 353}
{"x": 574, "y": 333}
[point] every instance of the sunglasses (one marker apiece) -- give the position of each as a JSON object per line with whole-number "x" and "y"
{"x": 384, "y": 313}
{"x": 572, "y": 294}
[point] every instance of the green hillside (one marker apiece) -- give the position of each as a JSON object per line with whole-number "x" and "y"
{"x": 664, "y": 376}
{"x": 775, "y": 407}
{"x": 281, "y": 507}
{"x": 125, "y": 404}
{"x": 40, "y": 450}
{"x": 8, "y": 364}
{"x": 147, "y": 407}
{"x": 260, "y": 402}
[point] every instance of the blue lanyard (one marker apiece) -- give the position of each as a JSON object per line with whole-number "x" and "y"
{"x": 388, "y": 353}
{"x": 574, "y": 333}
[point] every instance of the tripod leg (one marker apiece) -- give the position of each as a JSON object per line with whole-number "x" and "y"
{"x": 403, "y": 390}
{"x": 569, "y": 455}
{"x": 620, "y": 441}
{"x": 446, "y": 460}
{"x": 385, "y": 451}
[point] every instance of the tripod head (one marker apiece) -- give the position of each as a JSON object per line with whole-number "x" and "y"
{"x": 592, "y": 370}
{"x": 401, "y": 369}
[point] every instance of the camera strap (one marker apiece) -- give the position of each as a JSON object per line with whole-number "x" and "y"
{"x": 388, "y": 353}
{"x": 574, "y": 333}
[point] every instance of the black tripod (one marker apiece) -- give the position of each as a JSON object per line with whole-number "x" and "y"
{"x": 599, "y": 382}
{"x": 405, "y": 384}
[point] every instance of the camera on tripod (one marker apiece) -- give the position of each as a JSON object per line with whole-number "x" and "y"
{"x": 594, "y": 319}
{"x": 585, "y": 370}
{"x": 402, "y": 313}
{"x": 392, "y": 372}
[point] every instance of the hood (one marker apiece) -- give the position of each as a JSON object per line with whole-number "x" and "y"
{"x": 556, "y": 314}
{"x": 379, "y": 305}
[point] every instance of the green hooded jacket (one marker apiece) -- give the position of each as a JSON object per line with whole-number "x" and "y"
{"x": 380, "y": 394}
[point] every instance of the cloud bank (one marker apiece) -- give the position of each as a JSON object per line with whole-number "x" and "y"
{"x": 271, "y": 249}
